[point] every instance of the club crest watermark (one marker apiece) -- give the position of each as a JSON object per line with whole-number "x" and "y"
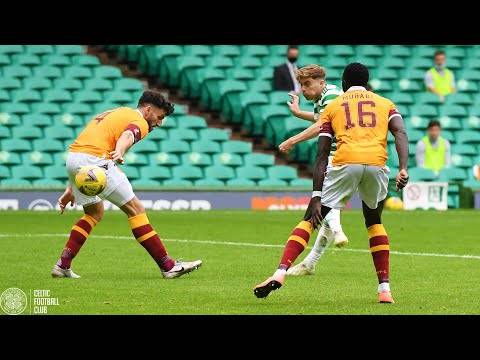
{"x": 13, "y": 301}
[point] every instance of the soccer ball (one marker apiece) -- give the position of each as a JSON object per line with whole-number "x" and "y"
{"x": 394, "y": 203}
{"x": 91, "y": 180}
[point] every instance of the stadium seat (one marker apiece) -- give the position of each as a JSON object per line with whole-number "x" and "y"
{"x": 196, "y": 159}
{"x": 165, "y": 159}
{"x": 174, "y": 146}
{"x": 4, "y": 132}
{"x": 4, "y": 173}
{"x": 48, "y": 71}
{"x": 452, "y": 174}
{"x": 213, "y": 134}
{"x": 191, "y": 121}
{"x": 421, "y": 174}
{"x": 205, "y": 146}
{"x": 241, "y": 182}
{"x": 37, "y": 158}
{"x": 282, "y": 172}
{"x": 468, "y": 137}
{"x": 136, "y": 159}
{"x": 237, "y": 147}
{"x": 228, "y": 159}
{"x": 463, "y": 149}
{"x": 219, "y": 172}
{"x": 26, "y": 96}
{"x": 24, "y": 132}
{"x": 301, "y": 182}
{"x": 272, "y": 183}
{"x": 258, "y": 159}
{"x": 187, "y": 172}
{"x": 182, "y": 134}
{"x": 10, "y": 158}
{"x": 176, "y": 182}
{"x": 27, "y": 172}
{"x": 155, "y": 172}
{"x": 251, "y": 172}
{"x": 209, "y": 183}
{"x": 16, "y": 145}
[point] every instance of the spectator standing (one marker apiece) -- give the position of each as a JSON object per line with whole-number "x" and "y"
{"x": 440, "y": 80}
{"x": 284, "y": 75}
{"x": 433, "y": 151}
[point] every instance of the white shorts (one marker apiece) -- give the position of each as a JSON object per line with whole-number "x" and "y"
{"x": 341, "y": 182}
{"x": 118, "y": 190}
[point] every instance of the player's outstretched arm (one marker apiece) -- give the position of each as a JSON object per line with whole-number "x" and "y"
{"x": 397, "y": 128}
{"x": 293, "y": 104}
{"x": 306, "y": 134}
{"x": 124, "y": 142}
{"x": 324, "y": 145}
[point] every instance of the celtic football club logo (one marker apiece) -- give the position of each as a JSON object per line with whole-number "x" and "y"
{"x": 13, "y": 301}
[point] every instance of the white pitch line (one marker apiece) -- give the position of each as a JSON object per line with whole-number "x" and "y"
{"x": 212, "y": 242}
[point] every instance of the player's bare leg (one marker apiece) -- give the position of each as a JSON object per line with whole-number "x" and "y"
{"x": 296, "y": 243}
{"x": 380, "y": 249}
{"x": 149, "y": 239}
{"x": 78, "y": 235}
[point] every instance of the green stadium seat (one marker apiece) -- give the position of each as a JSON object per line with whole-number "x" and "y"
{"x": 27, "y": 172}
{"x": 471, "y": 74}
{"x": 454, "y": 64}
{"x": 4, "y": 60}
{"x": 219, "y": 62}
{"x": 369, "y": 50}
{"x": 9, "y": 119}
{"x": 47, "y": 145}
{"x": 69, "y": 49}
{"x": 191, "y": 121}
{"x": 237, "y": 147}
{"x": 452, "y": 174}
{"x": 425, "y": 51}
{"x": 87, "y": 96}
{"x": 164, "y": 159}
{"x": 393, "y": 63}
{"x": 48, "y": 183}
{"x": 255, "y": 50}
{"x": 47, "y": 71}
{"x": 67, "y": 84}
{"x": 16, "y": 183}
{"x": 56, "y": 172}
{"x": 464, "y": 149}
{"x": 209, "y": 182}
{"x": 78, "y": 72}
{"x": 85, "y": 60}
{"x": 226, "y": 50}
{"x": 282, "y": 172}
{"x": 399, "y": 51}
{"x": 258, "y": 159}
{"x": 301, "y": 182}
{"x": 39, "y": 49}
{"x": 467, "y": 86}
{"x": 428, "y": 98}
{"x": 10, "y": 158}
{"x": 4, "y": 173}
{"x": 196, "y": 159}
{"x": 99, "y": 84}
{"x": 4, "y": 96}
{"x": 16, "y": 71}
{"x": 107, "y": 72}
{"x": 250, "y": 62}
{"x": 28, "y": 60}
{"x": 57, "y": 96}
{"x": 458, "y": 99}
{"x": 468, "y": 137}
{"x": 46, "y": 108}
{"x": 271, "y": 61}
{"x": 336, "y": 62}
{"x": 36, "y": 83}
{"x": 174, "y": 146}
{"x": 380, "y": 86}
{"x": 219, "y": 172}
{"x": 132, "y": 172}
{"x": 409, "y": 85}
{"x": 26, "y": 96}
{"x": 240, "y": 74}
{"x": 421, "y": 63}
{"x": 128, "y": 84}
{"x": 59, "y": 133}
{"x": 11, "y": 49}
{"x": 241, "y": 183}
{"x": 69, "y": 120}
{"x": 155, "y": 172}
{"x": 401, "y": 98}
{"x": 133, "y": 158}
{"x": 341, "y": 50}
{"x": 37, "y": 158}
{"x": 453, "y": 111}
{"x": 145, "y": 183}
{"x": 208, "y": 147}
{"x": 423, "y": 110}
{"x": 449, "y": 135}
{"x": 183, "y": 134}
{"x": 197, "y": 50}
{"x": 146, "y": 146}
{"x": 169, "y": 122}
{"x": 60, "y": 158}
{"x": 158, "y": 134}
{"x": 421, "y": 174}
{"x": 272, "y": 183}
{"x": 77, "y": 109}
{"x": 227, "y": 159}
{"x": 119, "y": 97}
{"x": 462, "y": 161}
{"x": 255, "y": 173}
{"x": 260, "y": 86}
{"x": 56, "y": 60}
{"x": 175, "y": 182}
{"x": 10, "y": 83}
{"x": 5, "y": 132}
{"x": 16, "y": 145}
{"x": 187, "y": 172}
{"x": 309, "y": 50}
{"x": 472, "y": 123}
{"x": 213, "y": 134}
{"x": 24, "y": 132}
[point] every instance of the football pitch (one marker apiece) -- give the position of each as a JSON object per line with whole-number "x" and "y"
{"x": 434, "y": 264}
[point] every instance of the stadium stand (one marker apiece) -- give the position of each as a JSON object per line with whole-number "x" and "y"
{"x": 236, "y": 82}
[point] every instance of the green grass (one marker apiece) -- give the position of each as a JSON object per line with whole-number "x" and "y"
{"x": 118, "y": 276}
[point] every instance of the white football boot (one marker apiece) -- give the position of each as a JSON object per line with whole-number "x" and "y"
{"x": 58, "y": 272}
{"x": 339, "y": 238}
{"x": 181, "y": 267}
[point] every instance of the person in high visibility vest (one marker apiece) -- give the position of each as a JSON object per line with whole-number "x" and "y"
{"x": 438, "y": 79}
{"x": 433, "y": 151}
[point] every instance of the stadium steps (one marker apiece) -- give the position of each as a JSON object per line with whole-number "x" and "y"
{"x": 213, "y": 118}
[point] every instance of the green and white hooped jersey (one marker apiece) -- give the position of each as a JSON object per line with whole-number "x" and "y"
{"x": 329, "y": 94}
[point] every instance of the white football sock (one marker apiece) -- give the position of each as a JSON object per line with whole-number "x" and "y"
{"x": 383, "y": 287}
{"x": 333, "y": 220}
{"x": 318, "y": 248}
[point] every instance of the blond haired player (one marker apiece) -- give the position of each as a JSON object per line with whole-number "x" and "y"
{"x": 104, "y": 142}
{"x": 315, "y": 88}
{"x": 360, "y": 121}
